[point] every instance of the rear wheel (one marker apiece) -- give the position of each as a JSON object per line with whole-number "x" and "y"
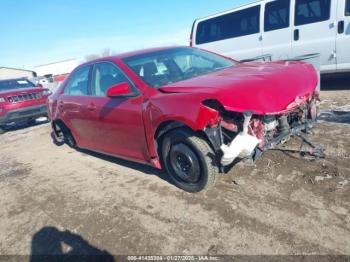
{"x": 61, "y": 135}
{"x": 189, "y": 160}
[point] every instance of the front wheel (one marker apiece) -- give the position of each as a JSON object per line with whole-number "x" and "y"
{"x": 189, "y": 160}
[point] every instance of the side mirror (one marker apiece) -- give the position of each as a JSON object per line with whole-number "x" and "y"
{"x": 122, "y": 89}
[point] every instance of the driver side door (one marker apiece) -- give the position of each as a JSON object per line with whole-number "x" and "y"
{"x": 116, "y": 123}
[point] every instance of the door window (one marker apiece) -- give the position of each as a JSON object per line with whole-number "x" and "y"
{"x": 277, "y": 15}
{"x": 105, "y": 76}
{"x": 347, "y": 8}
{"x": 78, "y": 83}
{"x": 236, "y": 24}
{"x": 307, "y": 12}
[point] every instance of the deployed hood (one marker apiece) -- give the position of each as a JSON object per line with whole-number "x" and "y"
{"x": 264, "y": 88}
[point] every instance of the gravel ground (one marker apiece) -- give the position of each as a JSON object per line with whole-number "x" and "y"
{"x": 59, "y": 200}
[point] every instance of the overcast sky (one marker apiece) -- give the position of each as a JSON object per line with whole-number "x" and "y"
{"x": 34, "y": 32}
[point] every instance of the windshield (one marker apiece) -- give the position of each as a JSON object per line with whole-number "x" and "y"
{"x": 15, "y": 84}
{"x": 170, "y": 66}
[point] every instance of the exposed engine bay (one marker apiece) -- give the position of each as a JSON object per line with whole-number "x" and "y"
{"x": 248, "y": 135}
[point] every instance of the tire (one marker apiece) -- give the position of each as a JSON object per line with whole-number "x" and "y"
{"x": 189, "y": 160}
{"x": 61, "y": 134}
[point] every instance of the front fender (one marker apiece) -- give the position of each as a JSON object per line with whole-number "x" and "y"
{"x": 186, "y": 109}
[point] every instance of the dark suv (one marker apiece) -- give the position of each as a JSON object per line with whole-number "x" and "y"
{"x": 21, "y": 101}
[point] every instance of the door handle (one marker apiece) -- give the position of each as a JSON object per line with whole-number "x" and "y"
{"x": 91, "y": 107}
{"x": 296, "y": 35}
{"x": 340, "y": 27}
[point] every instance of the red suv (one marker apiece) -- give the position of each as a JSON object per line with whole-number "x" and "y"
{"x": 21, "y": 101}
{"x": 187, "y": 110}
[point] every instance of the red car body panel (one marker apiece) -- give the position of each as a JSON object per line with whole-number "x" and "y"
{"x": 126, "y": 127}
{"x": 117, "y": 118}
{"x": 254, "y": 86}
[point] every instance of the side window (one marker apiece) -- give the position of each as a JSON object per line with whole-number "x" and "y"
{"x": 277, "y": 15}
{"x": 106, "y": 75}
{"x": 236, "y": 24}
{"x": 347, "y": 8}
{"x": 78, "y": 83}
{"x": 311, "y": 11}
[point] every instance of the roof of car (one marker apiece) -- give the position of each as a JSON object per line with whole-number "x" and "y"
{"x": 18, "y": 69}
{"x": 146, "y": 51}
{"x": 136, "y": 53}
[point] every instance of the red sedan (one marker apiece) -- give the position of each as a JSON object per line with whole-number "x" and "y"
{"x": 190, "y": 111}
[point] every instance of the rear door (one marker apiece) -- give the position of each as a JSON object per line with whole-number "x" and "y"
{"x": 277, "y": 35}
{"x": 315, "y": 31}
{"x": 234, "y": 34}
{"x": 73, "y": 103}
{"x": 343, "y": 36}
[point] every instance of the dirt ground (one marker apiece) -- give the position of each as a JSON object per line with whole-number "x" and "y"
{"x": 56, "y": 199}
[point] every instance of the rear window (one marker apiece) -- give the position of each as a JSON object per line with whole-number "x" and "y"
{"x": 347, "y": 8}
{"x": 240, "y": 23}
{"x": 15, "y": 84}
{"x": 307, "y": 12}
{"x": 277, "y": 15}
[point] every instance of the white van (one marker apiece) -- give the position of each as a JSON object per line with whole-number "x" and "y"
{"x": 281, "y": 28}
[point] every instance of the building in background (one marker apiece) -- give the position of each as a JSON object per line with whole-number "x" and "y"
{"x": 9, "y": 73}
{"x": 57, "y": 70}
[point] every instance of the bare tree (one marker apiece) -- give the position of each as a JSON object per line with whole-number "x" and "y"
{"x": 104, "y": 53}
{"x": 91, "y": 57}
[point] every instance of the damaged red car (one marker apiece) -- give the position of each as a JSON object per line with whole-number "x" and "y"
{"x": 189, "y": 111}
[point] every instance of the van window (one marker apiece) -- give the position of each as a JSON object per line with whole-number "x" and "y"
{"x": 277, "y": 15}
{"x": 307, "y": 12}
{"x": 347, "y": 8}
{"x": 236, "y": 24}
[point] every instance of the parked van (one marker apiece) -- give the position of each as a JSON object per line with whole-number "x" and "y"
{"x": 281, "y": 28}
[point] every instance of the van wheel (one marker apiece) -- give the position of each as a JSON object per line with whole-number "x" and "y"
{"x": 189, "y": 160}
{"x": 61, "y": 135}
